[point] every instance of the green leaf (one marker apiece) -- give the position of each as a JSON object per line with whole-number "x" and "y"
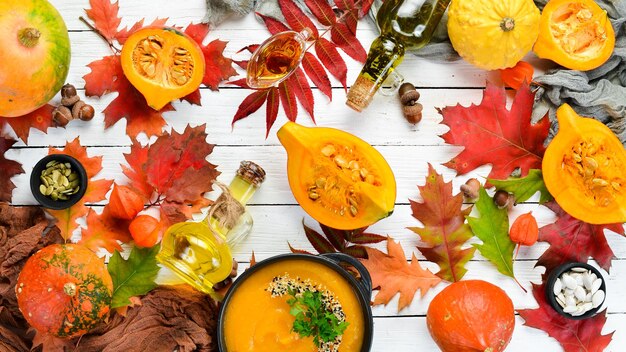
{"x": 492, "y": 227}
{"x": 133, "y": 277}
{"x": 525, "y": 187}
{"x": 312, "y": 318}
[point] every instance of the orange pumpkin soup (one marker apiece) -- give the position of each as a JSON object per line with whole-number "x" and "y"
{"x": 256, "y": 321}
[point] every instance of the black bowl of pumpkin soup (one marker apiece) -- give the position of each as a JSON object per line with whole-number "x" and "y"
{"x": 298, "y": 302}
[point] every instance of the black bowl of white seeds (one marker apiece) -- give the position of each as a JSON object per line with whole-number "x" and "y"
{"x": 576, "y": 290}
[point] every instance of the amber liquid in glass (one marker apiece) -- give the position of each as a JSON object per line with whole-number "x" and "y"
{"x": 276, "y": 59}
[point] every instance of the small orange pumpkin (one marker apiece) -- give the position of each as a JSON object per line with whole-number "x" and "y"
{"x": 163, "y": 63}
{"x": 576, "y": 34}
{"x": 471, "y": 316}
{"x": 64, "y": 290}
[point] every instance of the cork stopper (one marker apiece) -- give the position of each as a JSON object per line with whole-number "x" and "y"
{"x": 251, "y": 172}
{"x": 361, "y": 93}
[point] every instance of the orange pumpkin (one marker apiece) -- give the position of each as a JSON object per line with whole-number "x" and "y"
{"x": 576, "y": 34}
{"x": 163, "y": 63}
{"x": 471, "y": 316}
{"x": 35, "y": 55}
{"x": 64, "y": 290}
{"x": 583, "y": 168}
{"x": 338, "y": 179}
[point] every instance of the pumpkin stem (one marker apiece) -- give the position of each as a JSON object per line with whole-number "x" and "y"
{"x": 29, "y": 37}
{"x": 507, "y": 24}
{"x": 69, "y": 288}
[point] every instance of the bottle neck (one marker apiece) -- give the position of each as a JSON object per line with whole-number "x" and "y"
{"x": 385, "y": 54}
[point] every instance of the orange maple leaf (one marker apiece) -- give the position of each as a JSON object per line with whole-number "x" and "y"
{"x": 40, "y": 119}
{"x": 95, "y": 192}
{"x": 104, "y": 231}
{"x": 392, "y": 274}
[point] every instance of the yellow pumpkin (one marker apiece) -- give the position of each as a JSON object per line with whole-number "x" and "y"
{"x": 576, "y": 34}
{"x": 338, "y": 179}
{"x": 583, "y": 168}
{"x": 493, "y": 34}
{"x": 163, "y": 63}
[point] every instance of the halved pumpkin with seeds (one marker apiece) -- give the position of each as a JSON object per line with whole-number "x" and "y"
{"x": 163, "y": 64}
{"x": 338, "y": 179}
{"x": 583, "y": 168}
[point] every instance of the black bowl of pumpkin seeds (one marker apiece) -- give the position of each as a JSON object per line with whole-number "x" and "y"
{"x": 58, "y": 181}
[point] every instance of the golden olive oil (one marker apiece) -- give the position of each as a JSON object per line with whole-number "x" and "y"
{"x": 200, "y": 252}
{"x": 404, "y": 24}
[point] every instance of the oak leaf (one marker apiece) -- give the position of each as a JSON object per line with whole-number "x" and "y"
{"x": 392, "y": 274}
{"x": 572, "y": 240}
{"x": 40, "y": 119}
{"x": 492, "y": 134}
{"x": 8, "y": 169}
{"x": 525, "y": 187}
{"x": 492, "y": 228}
{"x": 173, "y": 173}
{"x": 573, "y": 335}
{"x": 444, "y": 229}
{"x": 96, "y": 189}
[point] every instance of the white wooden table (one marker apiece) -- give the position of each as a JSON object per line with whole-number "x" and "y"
{"x": 277, "y": 216}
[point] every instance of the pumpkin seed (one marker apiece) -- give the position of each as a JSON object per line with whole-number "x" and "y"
{"x": 599, "y": 182}
{"x": 313, "y": 195}
{"x": 591, "y": 163}
{"x": 58, "y": 181}
{"x": 353, "y": 165}
{"x": 320, "y": 182}
{"x": 328, "y": 150}
{"x": 353, "y": 210}
{"x": 51, "y": 163}
{"x": 341, "y": 161}
{"x": 42, "y": 189}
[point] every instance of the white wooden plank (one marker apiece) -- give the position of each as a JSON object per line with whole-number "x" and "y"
{"x": 410, "y": 334}
{"x": 381, "y": 124}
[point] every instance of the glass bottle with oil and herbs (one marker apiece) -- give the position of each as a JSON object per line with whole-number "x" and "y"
{"x": 404, "y": 24}
{"x": 200, "y": 252}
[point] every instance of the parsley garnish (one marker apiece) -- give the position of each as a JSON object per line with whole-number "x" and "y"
{"x": 312, "y": 318}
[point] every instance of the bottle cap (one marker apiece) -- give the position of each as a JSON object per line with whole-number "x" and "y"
{"x": 251, "y": 172}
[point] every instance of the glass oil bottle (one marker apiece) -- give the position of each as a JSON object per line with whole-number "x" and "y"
{"x": 404, "y": 24}
{"x": 200, "y": 252}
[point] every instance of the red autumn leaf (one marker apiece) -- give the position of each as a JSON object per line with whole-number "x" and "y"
{"x": 317, "y": 74}
{"x": 572, "y": 240}
{"x": 347, "y": 41}
{"x": 356, "y": 251}
{"x": 252, "y": 103}
{"x": 8, "y": 169}
{"x": 392, "y": 274}
{"x": 105, "y": 17}
{"x": 107, "y": 76}
{"x": 295, "y": 250}
{"x": 321, "y": 244}
{"x": 40, "y": 119}
{"x": 218, "y": 68}
{"x": 491, "y": 134}
{"x": 329, "y": 56}
{"x": 105, "y": 231}
{"x": 273, "y": 99}
{"x": 300, "y": 86}
{"x": 322, "y": 11}
{"x": 273, "y": 25}
{"x": 296, "y": 19}
{"x": 174, "y": 171}
{"x": 125, "y": 32}
{"x": 573, "y": 335}
{"x": 96, "y": 189}
{"x": 288, "y": 100}
{"x": 445, "y": 231}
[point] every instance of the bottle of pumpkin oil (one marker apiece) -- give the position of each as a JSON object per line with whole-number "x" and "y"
{"x": 200, "y": 252}
{"x": 404, "y": 24}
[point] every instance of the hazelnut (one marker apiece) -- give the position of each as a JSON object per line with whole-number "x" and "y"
{"x": 68, "y": 91}
{"x": 62, "y": 115}
{"x": 503, "y": 199}
{"x": 470, "y": 189}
